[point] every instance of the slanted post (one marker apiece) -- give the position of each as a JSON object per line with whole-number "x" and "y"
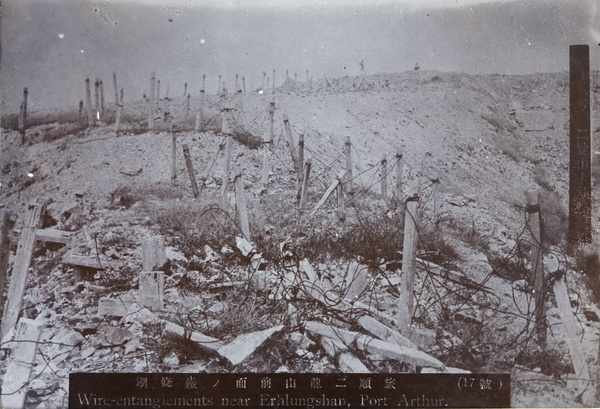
{"x": 151, "y": 107}
{"x": 534, "y": 223}
{"x": 290, "y": 141}
{"x": 304, "y": 190}
{"x": 241, "y": 203}
{"x": 348, "y": 151}
{"x": 88, "y": 100}
{"x": 409, "y": 254}
{"x": 190, "y": 169}
{"x": 384, "y": 175}
{"x": 300, "y": 158}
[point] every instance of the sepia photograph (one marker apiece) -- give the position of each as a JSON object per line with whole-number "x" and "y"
{"x": 299, "y": 204}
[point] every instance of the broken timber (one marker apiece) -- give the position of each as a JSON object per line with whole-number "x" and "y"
{"x": 85, "y": 261}
{"x": 50, "y": 235}
{"x": 18, "y": 371}
{"x": 331, "y": 188}
{"x": 582, "y": 373}
{"x": 20, "y": 268}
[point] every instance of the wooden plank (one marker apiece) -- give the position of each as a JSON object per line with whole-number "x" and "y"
{"x": 50, "y": 235}
{"x": 20, "y": 268}
{"x": 582, "y": 374}
{"x": 87, "y": 262}
{"x": 450, "y": 275}
{"x": 152, "y": 290}
{"x": 409, "y": 250}
{"x": 18, "y": 371}
{"x": 8, "y": 222}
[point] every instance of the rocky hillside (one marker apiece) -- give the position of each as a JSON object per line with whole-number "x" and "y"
{"x": 471, "y": 147}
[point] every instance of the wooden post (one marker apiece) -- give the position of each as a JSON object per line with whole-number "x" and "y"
{"x": 88, "y": 100}
{"x": 173, "y": 157}
{"x": 101, "y": 98}
{"x": 25, "y": 95}
{"x": 244, "y": 85}
{"x": 341, "y": 200}
{"x": 348, "y": 151}
{"x": 167, "y": 93}
{"x": 265, "y": 169}
{"x": 219, "y": 89}
{"x": 119, "y": 113}
{"x": 20, "y": 125}
{"x": 187, "y": 106}
{"x": 399, "y": 169}
{"x": 116, "y": 89}
{"x": 304, "y": 191}
{"x": 384, "y": 175}
{"x": 534, "y": 223}
{"x": 337, "y": 182}
{"x": 262, "y": 85}
{"x": 157, "y": 92}
{"x": 273, "y": 81}
{"x": 97, "y": 98}
{"x": 300, "y": 158}
{"x": 236, "y": 83}
{"x": 271, "y": 122}
{"x": 226, "y": 167}
{"x": 151, "y": 107}
{"x": 290, "y": 142}
{"x": 82, "y": 119}
{"x": 190, "y": 168}
{"x": 200, "y": 116}
{"x": 437, "y": 203}
{"x": 151, "y": 290}
{"x": 241, "y": 203}
{"x": 18, "y": 371}
{"x": 409, "y": 250}
{"x": 20, "y": 268}
{"x": 8, "y": 223}
{"x": 153, "y": 253}
{"x": 185, "y": 90}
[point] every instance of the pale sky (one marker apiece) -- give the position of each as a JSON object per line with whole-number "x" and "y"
{"x": 51, "y": 46}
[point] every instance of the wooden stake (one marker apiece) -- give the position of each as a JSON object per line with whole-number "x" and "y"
{"x": 187, "y": 106}
{"x": 88, "y": 98}
{"x": 290, "y": 142}
{"x": 8, "y": 223}
{"x": 304, "y": 191}
{"x": 271, "y": 122}
{"x": 18, "y": 371}
{"x": 399, "y": 168}
{"x": 384, "y": 175}
{"x": 437, "y": 203}
{"x": 236, "y": 83}
{"x": 341, "y": 196}
{"x": 409, "y": 250}
{"x": 151, "y": 107}
{"x": 82, "y": 119}
{"x": 262, "y": 85}
{"x": 20, "y": 125}
{"x": 116, "y": 88}
{"x": 25, "y": 95}
{"x": 157, "y": 92}
{"x": 119, "y": 112}
{"x": 173, "y": 157}
{"x": 226, "y": 167}
{"x": 200, "y": 116}
{"x": 300, "y": 158}
{"x": 348, "y": 151}
{"x": 190, "y": 168}
{"x": 20, "y": 268}
{"x": 265, "y": 169}
{"x": 97, "y": 98}
{"x": 534, "y": 222}
{"x": 244, "y": 85}
{"x": 241, "y": 203}
{"x": 273, "y": 81}
{"x": 101, "y": 98}
{"x": 219, "y": 89}
{"x": 185, "y": 90}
